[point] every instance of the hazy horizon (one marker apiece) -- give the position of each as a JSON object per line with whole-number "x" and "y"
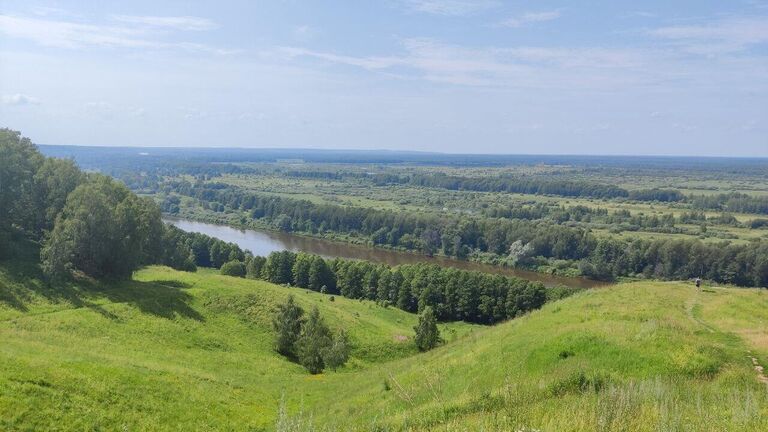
{"x": 448, "y": 76}
{"x": 425, "y": 152}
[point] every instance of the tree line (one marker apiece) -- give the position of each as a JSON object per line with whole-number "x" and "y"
{"x": 84, "y": 222}
{"x": 453, "y": 294}
{"x": 732, "y": 202}
{"x": 566, "y": 188}
{"x": 512, "y": 241}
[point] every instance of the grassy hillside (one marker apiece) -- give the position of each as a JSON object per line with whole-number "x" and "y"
{"x": 173, "y": 350}
{"x": 168, "y": 349}
{"x": 644, "y": 356}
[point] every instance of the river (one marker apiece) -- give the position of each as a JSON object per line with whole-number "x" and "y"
{"x": 265, "y": 242}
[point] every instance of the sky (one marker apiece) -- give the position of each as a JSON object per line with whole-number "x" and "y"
{"x": 657, "y": 77}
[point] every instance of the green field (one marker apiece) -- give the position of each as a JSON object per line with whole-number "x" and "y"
{"x": 193, "y": 351}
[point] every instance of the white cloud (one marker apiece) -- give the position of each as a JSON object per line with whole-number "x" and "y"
{"x": 641, "y": 14}
{"x": 598, "y": 127}
{"x": 137, "y": 112}
{"x": 719, "y": 37}
{"x": 530, "y": 18}
{"x": 77, "y": 35}
{"x": 492, "y": 66}
{"x": 450, "y": 7}
{"x": 175, "y": 22}
{"x": 19, "y": 99}
{"x": 99, "y": 106}
{"x": 684, "y": 127}
{"x": 194, "y": 113}
{"x": 304, "y": 33}
{"x": 50, "y": 11}
{"x": 255, "y": 116}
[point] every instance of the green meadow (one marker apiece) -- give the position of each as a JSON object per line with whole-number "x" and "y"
{"x": 193, "y": 351}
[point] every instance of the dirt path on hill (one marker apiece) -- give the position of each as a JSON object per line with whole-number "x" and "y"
{"x": 759, "y": 369}
{"x": 691, "y": 310}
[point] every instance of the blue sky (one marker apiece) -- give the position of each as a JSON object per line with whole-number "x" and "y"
{"x": 575, "y": 77}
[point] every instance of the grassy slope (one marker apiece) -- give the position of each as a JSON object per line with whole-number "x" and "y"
{"x": 173, "y": 351}
{"x": 643, "y": 356}
{"x": 167, "y": 350}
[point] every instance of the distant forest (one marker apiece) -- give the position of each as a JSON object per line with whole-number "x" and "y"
{"x": 517, "y": 240}
{"x": 513, "y": 235}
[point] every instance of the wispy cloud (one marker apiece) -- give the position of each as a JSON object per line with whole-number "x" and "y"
{"x": 50, "y": 11}
{"x": 77, "y": 35}
{"x": 492, "y": 66}
{"x": 188, "y": 23}
{"x": 718, "y": 37}
{"x": 304, "y": 33}
{"x": 530, "y": 18}
{"x": 19, "y": 99}
{"x": 450, "y": 7}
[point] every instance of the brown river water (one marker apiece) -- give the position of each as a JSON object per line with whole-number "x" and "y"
{"x": 264, "y": 242}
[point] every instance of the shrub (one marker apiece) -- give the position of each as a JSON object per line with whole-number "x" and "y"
{"x": 233, "y": 268}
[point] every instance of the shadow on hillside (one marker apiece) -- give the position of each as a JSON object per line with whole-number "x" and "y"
{"x": 165, "y": 299}
{"x": 173, "y": 283}
{"x": 153, "y": 298}
{"x": 20, "y": 268}
{"x": 12, "y": 299}
{"x": 23, "y": 279}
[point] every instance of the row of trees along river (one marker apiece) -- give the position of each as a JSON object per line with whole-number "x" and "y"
{"x": 262, "y": 243}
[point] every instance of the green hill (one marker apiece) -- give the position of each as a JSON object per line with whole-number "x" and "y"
{"x": 193, "y": 351}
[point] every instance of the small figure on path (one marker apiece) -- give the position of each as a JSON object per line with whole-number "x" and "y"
{"x": 698, "y": 283}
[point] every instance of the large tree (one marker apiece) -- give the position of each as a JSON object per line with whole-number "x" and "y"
{"x": 104, "y": 230}
{"x": 19, "y": 161}
{"x": 53, "y": 183}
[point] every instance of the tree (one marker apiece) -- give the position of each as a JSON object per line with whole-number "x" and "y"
{"x": 337, "y": 354}
{"x": 518, "y": 252}
{"x": 287, "y": 323}
{"x": 279, "y": 267}
{"x": 101, "y": 231}
{"x": 320, "y": 275}
{"x": 254, "y": 266}
{"x": 19, "y": 160}
{"x": 233, "y": 268}
{"x": 176, "y": 253}
{"x": 53, "y": 182}
{"x": 301, "y": 269}
{"x": 427, "y": 333}
{"x": 314, "y": 340}
{"x": 283, "y": 223}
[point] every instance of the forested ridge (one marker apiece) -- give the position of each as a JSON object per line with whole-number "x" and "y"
{"x": 512, "y": 241}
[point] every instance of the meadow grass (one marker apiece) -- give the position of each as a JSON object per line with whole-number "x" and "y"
{"x": 639, "y": 356}
{"x": 193, "y": 351}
